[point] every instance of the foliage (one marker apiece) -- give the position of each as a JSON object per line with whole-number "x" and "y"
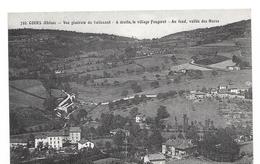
{"x": 219, "y": 146}
{"x": 155, "y": 140}
{"x": 162, "y": 112}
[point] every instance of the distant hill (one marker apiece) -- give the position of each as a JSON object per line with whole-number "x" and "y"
{"x": 32, "y": 47}
{"x": 241, "y": 29}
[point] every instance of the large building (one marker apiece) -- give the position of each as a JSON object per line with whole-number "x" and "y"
{"x": 57, "y": 139}
{"x": 74, "y": 134}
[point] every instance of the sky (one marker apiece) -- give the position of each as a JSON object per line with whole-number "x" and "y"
{"x": 140, "y": 31}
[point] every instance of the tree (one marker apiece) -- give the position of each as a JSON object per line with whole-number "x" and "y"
{"x": 214, "y": 73}
{"x": 136, "y": 88}
{"x": 155, "y": 140}
{"x": 130, "y": 52}
{"x": 219, "y": 146}
{"x": 124, "y": 93}
{"x": 204, "y": 89}
{"x": 108, "y": 145}
{"x": 235, "y": 59}
{"x": 173, "y": 58}
{"x": 118, "y": 139}
{"x": 133, "y": 112}
{"x": 180, "y": 135}
{"x": 162, "y": 112}
{"x": 154, "y": 84}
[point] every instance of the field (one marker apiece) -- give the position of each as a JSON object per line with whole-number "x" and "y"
{"x": 222, "y": 65}
{"x": 18, "y": 98}
{"x": 188, "y": 66}
{"x": 102, "y": 54}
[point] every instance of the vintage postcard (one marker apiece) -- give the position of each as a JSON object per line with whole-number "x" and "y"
{"x": 157, "y": 87}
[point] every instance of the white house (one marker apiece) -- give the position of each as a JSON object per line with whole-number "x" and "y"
{"x": 233, "y": 68}
{"x": 40, "y": 139}
{"x": 234, "y": 90}
{"x": 139, "y": 118}
{"x": 85, "y": 144}
{"x": 222, "y": 87}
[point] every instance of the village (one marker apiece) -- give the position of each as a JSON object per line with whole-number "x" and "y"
{"x": 179, "y": 141}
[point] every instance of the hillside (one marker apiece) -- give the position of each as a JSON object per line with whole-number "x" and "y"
{"x": 102, "y": 68}
{"x": 241, "y": 29}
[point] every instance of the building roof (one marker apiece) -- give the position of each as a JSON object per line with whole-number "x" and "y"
{"x": 83, "y": 141}
{"x": 58, "y": 133}
{"x": 75, "y": 129}
{"x": 17, "y": 140}
{"x": 179, "y": 143}
{"x": 39, "y": 136}
{"x": 119, "y": 130}
{"x": 156, "y": 157}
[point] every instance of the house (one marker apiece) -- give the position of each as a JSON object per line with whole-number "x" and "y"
{"x": 41, "y": 138}
{"x": 222, "y": 87}
{"x": 115, "y": 131}
{"x": 85, "y": 144}
{"x": 178, "y": 148}
{"x": 157, "y": 158}
{"x": 17, "y": 142}
{"x": 140, "y": 118}
{"x": 200, "y": 95}
{"x": 214, "y": 91}
{"x": 233, "y": 68}
{"x": 234, "y": 90}
{"x": 74, "y": 134}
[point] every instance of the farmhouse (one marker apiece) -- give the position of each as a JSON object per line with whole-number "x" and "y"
{"x": 233, "y": 68}
{"x": 234, "y": 90}
{"x": 157, "y": 158}
{"x": 85, "y": 144}
{"x": 178, "y": 148}
{"x": 140, "y": 118}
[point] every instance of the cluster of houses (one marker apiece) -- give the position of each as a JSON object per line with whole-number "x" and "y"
{"x": 172, "y": 148}
{"x": 221, "y": 92}
{"x": 56, "y": 139}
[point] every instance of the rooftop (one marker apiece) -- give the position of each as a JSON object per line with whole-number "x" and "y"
{"x": 179, "y": 143}
{"x": 17, "y": 140}
{"x": 75, "y": 129}
{"x": 82, "y": 141}
{"x": 155, "y": 157}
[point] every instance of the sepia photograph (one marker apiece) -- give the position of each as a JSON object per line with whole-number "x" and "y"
{"x": 130, "y": 87}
